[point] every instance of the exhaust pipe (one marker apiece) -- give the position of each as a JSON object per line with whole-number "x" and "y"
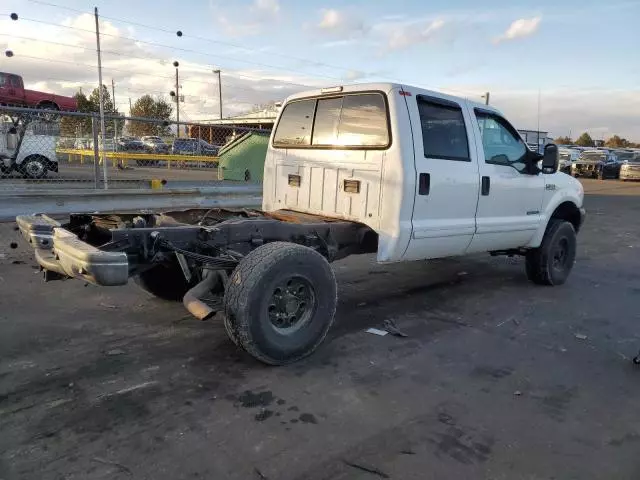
{"x": 192, "y": 301}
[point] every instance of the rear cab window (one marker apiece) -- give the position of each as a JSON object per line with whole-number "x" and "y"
{"x": 356, "y": 121}
{"x": 444, "y": 134}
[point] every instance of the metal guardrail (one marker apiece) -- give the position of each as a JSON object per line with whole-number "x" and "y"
{"x": 58, "y": 202}
{"x": 125, "y": 157}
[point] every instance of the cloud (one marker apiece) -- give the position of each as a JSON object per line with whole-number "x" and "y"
{"x": 341, "y": 24}
{"x": 137, "y": 69}
{"x": 521, "y": 28}
{"x": 268, "y": 6}
{"x": 403, "y": 37}
{"x": 240, "y": 21}
{"x": 353, "y": 75}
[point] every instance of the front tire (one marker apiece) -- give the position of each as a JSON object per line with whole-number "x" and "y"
{"x": 280, "y": 302}
{"x": 551, "y": 263}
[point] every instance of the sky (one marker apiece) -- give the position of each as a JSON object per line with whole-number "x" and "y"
{"x": 568, "y": 65}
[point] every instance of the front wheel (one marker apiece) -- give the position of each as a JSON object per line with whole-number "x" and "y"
{"x": 551, "y": 263}
{"x": 280, "y": 302}
{"x": 34, "y": 167}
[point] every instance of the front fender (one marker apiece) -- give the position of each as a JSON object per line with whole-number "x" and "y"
{"x": 551, "y": 204}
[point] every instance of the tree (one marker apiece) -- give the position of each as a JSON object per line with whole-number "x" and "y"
{"x": 148, "y": 107}
{"x": 563, "y": 141}
{"x": 107, "y": 102}
{"x": 617, "y": 142}
{"x": 73, "y": 126}
{"x": 585, "y": 140}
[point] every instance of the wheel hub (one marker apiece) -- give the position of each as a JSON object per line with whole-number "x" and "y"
{"x": 560, "y": 254}
{"x": 291, "y": 303}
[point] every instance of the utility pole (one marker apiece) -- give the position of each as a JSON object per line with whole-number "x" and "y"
{"x": 130, "y": 107}
{"x": 102, "y": 127}
{"x": 219, "y": 91}
{"x": 486, "y": 98}
{"x": 538, "y": 140}
{"x": 176, "y": 64}
{"x": 113, "y": 99}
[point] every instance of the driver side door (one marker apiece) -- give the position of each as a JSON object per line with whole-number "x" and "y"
{"x": 510, "y": 199}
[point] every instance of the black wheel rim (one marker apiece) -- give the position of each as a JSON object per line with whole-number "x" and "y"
{"x": 291, "y": 305}
{"x": 560, "y": 255}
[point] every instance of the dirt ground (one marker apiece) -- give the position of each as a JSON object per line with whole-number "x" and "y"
{"x": 497, "y": 379}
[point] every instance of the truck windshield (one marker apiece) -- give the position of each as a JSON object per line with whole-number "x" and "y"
{"x": 357, "y": 120}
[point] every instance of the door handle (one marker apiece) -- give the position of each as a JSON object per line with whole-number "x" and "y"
{"x": 424, "y": 184}
{"x": 486, "y": 185}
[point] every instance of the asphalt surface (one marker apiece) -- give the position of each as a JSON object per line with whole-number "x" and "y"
{"x": 497, "y": 378}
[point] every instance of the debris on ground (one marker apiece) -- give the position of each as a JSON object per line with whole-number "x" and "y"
{"x": 106, "y": 305}
{"x": 580, "y": 336}
{"x": 391, "y": 327}
{"x": 366, "y": 468}
{"x": 375, "y": 331}
{"x": 517, "y": 393}
{"x": 116, "y": 351}
{"x": 123, "y": 468}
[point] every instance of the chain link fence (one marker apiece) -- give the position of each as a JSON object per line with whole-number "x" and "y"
{"x": 54, "y": 149}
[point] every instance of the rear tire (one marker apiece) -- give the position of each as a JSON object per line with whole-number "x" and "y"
{"x": 280, "y": 302}
{"x": 166, "y": 282}
{"x": 551, "y": 263}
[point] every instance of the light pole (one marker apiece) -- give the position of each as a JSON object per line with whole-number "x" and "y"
{"x": 486, "y": 98}
{"x": 176, "y": 94}
{"x": 219, "y": 91}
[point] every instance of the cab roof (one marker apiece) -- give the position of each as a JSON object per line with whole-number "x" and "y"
{"x": 387, "y": 87}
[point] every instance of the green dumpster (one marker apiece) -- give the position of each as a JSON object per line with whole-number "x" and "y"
{"x": 243, "y": 158}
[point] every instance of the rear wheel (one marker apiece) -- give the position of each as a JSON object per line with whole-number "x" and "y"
{"x": 280, "y": 302}
{"x": 551, "y": 263}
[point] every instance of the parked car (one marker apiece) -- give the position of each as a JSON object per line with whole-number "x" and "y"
{"x": 130, "y": 144}
{"x": 153, "y": 144}
{"x": 109, "y": 145}
{"x": 567, "y": 157}
{"x": 12, "y": 92}
{"x": 630, "y": 169}
{"x": 597, "y": 163}
{"x": 193, "y": 146}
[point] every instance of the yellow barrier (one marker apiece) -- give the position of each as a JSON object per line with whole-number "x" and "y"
{"x": 125, "y": 157}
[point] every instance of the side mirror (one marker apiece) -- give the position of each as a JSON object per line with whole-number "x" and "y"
{"x": 550, "y": 159}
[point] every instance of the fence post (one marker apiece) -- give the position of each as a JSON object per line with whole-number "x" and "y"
{"x": 96, "y": 152}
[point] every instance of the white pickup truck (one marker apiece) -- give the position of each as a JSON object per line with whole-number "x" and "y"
{"x": 399, "y": 171}
{"x": 30, "y": 154}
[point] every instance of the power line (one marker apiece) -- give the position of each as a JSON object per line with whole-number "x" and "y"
{"x": 196, "y": 37}
{"x": 341, "y": 79}
{"x": 186, "y": 50}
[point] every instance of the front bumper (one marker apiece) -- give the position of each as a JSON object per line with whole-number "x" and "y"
{"x": 630, "y": 174}
{"x": 61, "y": 251}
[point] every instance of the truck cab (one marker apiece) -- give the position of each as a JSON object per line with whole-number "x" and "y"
{"x": 434, "y": 175}
{"x": 12, "y": 92}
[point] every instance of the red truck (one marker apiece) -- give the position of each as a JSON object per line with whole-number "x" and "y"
{"x": 12, "y": 92}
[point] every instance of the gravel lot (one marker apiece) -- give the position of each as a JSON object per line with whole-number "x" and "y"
{"x": 497, "y": 379}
